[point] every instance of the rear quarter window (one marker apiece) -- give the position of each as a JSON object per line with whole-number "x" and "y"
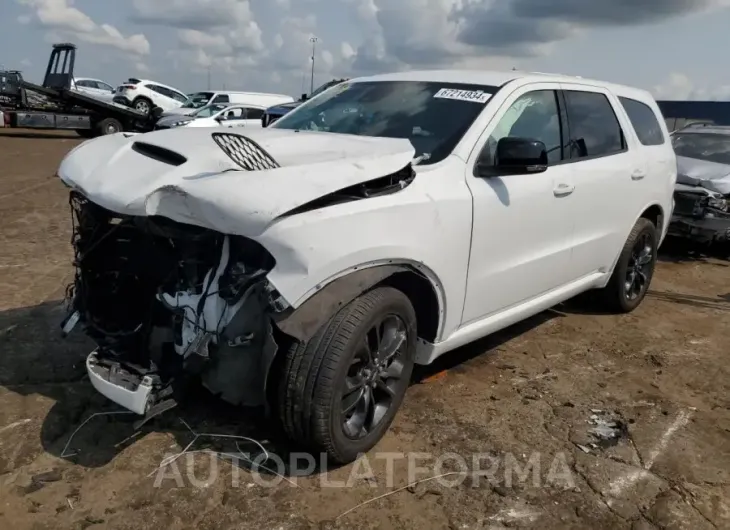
{"x": 644, "y": 121}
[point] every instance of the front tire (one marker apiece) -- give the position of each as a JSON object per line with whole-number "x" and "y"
{"x": 339, "y": 392}
{"x": 634, "y": 270}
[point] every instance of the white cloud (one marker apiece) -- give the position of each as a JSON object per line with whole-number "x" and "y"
{"x": 62, "y": 17}
{"x": 260, "y": 42}
{"x": 681, "y": 86}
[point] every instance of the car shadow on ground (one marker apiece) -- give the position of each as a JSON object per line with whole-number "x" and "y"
{"x": 675, "y": 250}
{"x": 719, "y": 303}
{"x": 36, "y": 360}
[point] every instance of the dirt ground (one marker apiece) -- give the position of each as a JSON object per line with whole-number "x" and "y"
{"x": 527, "y": 397}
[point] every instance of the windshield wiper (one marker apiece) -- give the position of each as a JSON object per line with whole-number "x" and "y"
{"x": 419, "y": 159}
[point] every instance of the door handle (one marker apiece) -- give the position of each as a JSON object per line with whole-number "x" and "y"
{"x": 563, "y": 189}
{"x": 638, "y": 174}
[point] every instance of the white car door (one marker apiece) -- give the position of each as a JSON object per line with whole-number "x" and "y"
{"x": 608, "y": 167}
{"x": 232, "y": 117}
{"x": 522, "y": 233}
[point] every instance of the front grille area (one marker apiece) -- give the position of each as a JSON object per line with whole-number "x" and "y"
{"x": 245, "y": 152}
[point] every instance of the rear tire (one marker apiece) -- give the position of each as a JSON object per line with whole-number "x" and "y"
{"x": 108, "y": 126}
{"x": 326, "y": 384}
{"x": 143, "y": 105}
{"x": 634, "y": 270}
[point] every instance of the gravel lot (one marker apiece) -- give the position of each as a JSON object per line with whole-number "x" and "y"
{"x": 526, "y": 397}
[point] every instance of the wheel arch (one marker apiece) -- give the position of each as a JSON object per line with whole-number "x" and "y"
{"x": 654, "y": 213}
{"x": 418, "y": 282}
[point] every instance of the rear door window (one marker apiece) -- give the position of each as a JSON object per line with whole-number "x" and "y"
{"x": 221, "y": 98}
{"x": 254, "y": 114}
{"x": 594, "y": 129}
{"x": 178, "y": 96}
{"x": 644, "y": 121}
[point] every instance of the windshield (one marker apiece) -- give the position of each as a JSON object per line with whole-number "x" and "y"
{"x": 207, "y": 112}
{"x": 433, "y": 116}
{"x": 705, "y": 146}
{"x": 197, "y": 100}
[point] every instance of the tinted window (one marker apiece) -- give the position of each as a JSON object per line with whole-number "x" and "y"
{"x": 157, "y": 89}
{"x": 83, "y": 83}
{"x": 594, "y": 128}
{"x": 222, "y": 98}
{"x": 104, "y": 86}
{"x": 208, "y": 111}
{"x": 254, "y": 114}
{"x": 644, "y": 121}
{"x": 177, "y": 96}
{"x": 704, "y": 146}
{"x": 197, "y": 100}
{"x": 432, "y": 116}
{"x": 533, "y": 115}
{"x": 233, "y": 114}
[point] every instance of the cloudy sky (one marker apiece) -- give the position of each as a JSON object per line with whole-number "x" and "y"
{"x": 676, "y": 48}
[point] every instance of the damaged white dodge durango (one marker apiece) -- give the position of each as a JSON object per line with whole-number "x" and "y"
{"x": 307, "y": 266}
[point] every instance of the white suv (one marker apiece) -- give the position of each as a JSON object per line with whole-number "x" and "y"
{"x": 308, "y": 265}
{"x": 144, "y": 95}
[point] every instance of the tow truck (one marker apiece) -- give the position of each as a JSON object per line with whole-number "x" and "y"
{"x": 54, "y": 105}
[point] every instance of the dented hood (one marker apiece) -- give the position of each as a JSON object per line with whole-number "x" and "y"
{"x": 209, "y": 189}
{"x": 709, "y": 175}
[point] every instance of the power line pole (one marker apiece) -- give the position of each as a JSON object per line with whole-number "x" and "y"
{"x": 313, "y": 40}
{"x": 209, "y": 78}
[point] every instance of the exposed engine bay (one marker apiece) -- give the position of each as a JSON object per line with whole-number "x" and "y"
{"x": 171, "y": 281}
{"x": 165, "y": 301}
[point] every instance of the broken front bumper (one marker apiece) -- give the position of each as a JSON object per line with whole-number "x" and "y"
{"x": 707, "y": 230}
{"x": 116, "y": 383}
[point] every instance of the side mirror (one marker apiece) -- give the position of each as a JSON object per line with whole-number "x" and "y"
{"x": 516, "y": 156}
{"x": 304, "y": 97}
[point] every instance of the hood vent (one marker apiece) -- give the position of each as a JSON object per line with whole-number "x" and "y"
{"x": 159, "y": 153}
{"x": 245, "y": 152}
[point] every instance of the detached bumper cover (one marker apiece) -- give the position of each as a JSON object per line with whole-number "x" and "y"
{"x": 134, "y": 397}
{"x": 710, "y": 230}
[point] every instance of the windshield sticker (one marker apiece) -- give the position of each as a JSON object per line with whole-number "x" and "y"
{"x": 475, "y": 96}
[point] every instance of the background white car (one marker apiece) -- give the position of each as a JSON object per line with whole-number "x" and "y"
{"x": 216, "y": 115}
{"x": 143, "y": 95}
{"x": 253, "y": 99}
{"x": 93, "y": 87}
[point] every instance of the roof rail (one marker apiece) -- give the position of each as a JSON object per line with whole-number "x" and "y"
{"x": 699, "y": 124}
{"x": 552, "y": 73}
{"x": 707, "y": 123}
